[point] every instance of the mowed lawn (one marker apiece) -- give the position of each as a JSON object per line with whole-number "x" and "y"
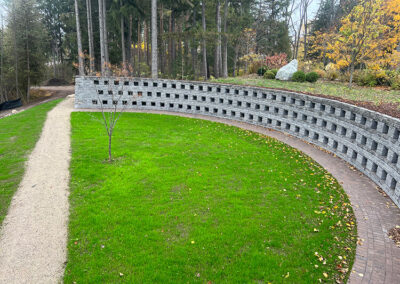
{"x": 188, "y": 200}
{"x": 18, "y": 135}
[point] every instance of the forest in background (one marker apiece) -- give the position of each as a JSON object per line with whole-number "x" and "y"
{"x": 196, "y": 39}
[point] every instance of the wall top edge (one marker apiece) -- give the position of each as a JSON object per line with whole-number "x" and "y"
{"x": 361, "y": 110}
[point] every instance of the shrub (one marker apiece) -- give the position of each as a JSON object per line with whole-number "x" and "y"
{"x": 395, "y": 82}
{"x": 332, "y": 73}
{"x": 269, "y": 75}
{"x": 321, "y": 73}
{"x": 299, "y": 76}
{"x": 261, "y": 71}
{"x": 275, "y": 71}
{"x": 276, "y": 61}
{"x": 372, "y": 78}
{"x": 312, "y": 77}
{"x": 365, "y": 78}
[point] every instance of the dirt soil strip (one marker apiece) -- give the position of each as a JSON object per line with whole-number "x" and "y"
{"x": 33, "y": 237}
{"x": 377, "y": 256}
{"x": 57, "y": 92}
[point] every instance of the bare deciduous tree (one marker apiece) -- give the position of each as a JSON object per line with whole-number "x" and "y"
{"x": 110, "y": 116}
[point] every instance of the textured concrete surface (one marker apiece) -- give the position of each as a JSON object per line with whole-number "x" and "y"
{"x": 33, "y": 237}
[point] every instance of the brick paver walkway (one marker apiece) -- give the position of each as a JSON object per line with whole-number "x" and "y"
{"x": 377, "y": 257}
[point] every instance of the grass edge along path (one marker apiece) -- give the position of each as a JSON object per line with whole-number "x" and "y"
{"x": 189, "y": 200}
{"x": 18, "y": 136}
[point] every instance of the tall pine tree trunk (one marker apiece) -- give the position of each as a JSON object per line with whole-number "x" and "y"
{"x": 203, "y": 18}
{"x": 28, "y": 64}
{"x": 217, "y": 50}
{"x": 90, "y": 36}
{"x": 101, "y": 28}
{"x": 106, "y": 56}
{"x": 3, "y": 96}
{"x": 235, "y": 59}
{"x": 130, "y": 44}
{"x": 154, "y": 44}
{"x": 225, "y": 44}
{"x": 16, "y": 57}
{"x": 79, "y": 39}
{"x": 170, "y": 48}
{"x": 139, "y": 47}
{"x": 123, "y": 48}
{"x": 162, "y": 44}
{"x": 193, "y": 48}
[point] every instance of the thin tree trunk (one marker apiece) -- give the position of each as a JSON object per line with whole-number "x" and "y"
{"x": 101, "y": 28}
{"x": 2, "y": 94}
{"x": 146, "y": 42}
{"x": 217, "y": 55}
{"x": 179, "y": 49}
{"x": 139, "y": 48}
{"x": 54, "y": 60}
{"x": 203, "y": 16}
{"x": 109, "y": 145}
{"x": 351, "y": 73}
{"x": 16, "y": 58}
{"x": 173, "y": 29}
{"x": 106, "y": 56}
{"x": 130, "y": 44}
{"x": 170, "y": 44}
{"x": 79, "y": 39}
{"x": 305, "y": 30}
{"x": 123, "y": 48}
{"x": 90, "y": 36}
{"x": 193, "y": 47}
{"x": 154, "y": 44}
{"x": 225, "y": 43}
{"x": 235, "y": 59}
{"x": 162, "y": 44}
{"x": 28, "y": 64}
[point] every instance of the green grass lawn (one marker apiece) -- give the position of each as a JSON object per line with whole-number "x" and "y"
{"x": 194, "y": 201}
{"x": 18, "y": 135}
{"x": 336, "y": 89}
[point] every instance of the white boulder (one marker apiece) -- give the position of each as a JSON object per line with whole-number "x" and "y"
{"x": 287, "y": 71}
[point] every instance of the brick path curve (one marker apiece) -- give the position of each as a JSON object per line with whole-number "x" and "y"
{"x": 377, "y": 257}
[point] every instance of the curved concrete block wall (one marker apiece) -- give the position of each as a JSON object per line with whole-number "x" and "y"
{"x": 367, "y": 140}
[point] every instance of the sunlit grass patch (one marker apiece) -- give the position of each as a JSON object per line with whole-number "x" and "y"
{"x": 195, "y": 201}
{"x": 18, "y": 135}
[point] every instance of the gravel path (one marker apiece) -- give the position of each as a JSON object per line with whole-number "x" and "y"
{"x": 33, "y": 238}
